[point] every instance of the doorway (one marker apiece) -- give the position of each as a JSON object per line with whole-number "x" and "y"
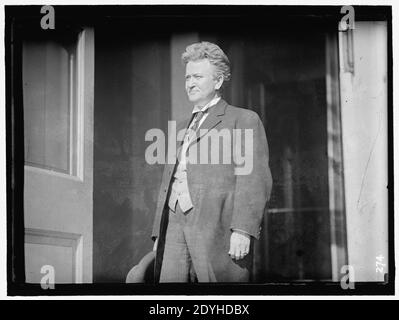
{"x": 287, "y": 78}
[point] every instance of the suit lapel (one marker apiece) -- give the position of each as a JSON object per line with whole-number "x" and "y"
{"x": 214, "y": 117}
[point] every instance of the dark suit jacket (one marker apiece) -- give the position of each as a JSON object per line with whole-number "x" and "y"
{"x": 222, "y": 200}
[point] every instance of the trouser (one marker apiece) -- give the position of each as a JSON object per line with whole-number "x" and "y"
{"x": 177, "y": 263}
{"x": 186, "y": 256}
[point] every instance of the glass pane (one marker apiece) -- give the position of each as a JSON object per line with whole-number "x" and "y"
{"x": 48, "y": 93}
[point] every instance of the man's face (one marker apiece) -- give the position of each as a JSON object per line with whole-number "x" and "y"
{"x": 201, "y": 84}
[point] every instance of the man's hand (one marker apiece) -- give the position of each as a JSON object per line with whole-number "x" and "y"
{"x": 239, "y": 245}
{"x": 155, "y": 245}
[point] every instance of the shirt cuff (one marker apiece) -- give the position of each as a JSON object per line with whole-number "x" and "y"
{"x": 242, "y": 232}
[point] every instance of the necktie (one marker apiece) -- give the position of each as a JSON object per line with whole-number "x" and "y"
{"x": 197, "y": 119}
{"x": 191, "y": 132}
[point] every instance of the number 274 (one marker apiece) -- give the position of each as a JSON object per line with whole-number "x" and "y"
{"x": 379, "y": 266}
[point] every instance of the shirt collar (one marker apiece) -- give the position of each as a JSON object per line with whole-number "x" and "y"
{"x": 211, "y": 103}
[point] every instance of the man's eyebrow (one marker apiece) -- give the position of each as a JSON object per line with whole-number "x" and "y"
{"x": 194, "y": 74}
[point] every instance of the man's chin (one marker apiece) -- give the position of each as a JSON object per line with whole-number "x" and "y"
{"x": 192, "y": 99}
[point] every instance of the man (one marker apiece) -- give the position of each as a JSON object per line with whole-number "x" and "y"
{"x": 208, "y": 214}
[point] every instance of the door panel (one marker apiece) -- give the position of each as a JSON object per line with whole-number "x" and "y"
{"x": 58, "y": 79}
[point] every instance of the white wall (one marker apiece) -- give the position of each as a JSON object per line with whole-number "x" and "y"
{"x": 364, "y": 135}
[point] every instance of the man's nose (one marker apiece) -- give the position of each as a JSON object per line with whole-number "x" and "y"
{"x": 191, "y": 83}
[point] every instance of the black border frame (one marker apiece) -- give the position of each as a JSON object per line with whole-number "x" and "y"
{"x": 176, "y": 15}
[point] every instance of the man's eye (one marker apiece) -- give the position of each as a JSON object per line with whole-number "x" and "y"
{"x": 195, "y": 77}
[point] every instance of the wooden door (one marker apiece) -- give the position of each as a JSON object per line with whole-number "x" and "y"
{"x": 58, "y": 83}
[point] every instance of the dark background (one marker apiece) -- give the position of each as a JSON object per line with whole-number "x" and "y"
{"x": 132, "y": 95}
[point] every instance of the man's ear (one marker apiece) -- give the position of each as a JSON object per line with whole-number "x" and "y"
{"x": 219, "y": 82}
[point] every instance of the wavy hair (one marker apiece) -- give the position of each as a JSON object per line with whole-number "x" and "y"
{"x": 212, "y": 52}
